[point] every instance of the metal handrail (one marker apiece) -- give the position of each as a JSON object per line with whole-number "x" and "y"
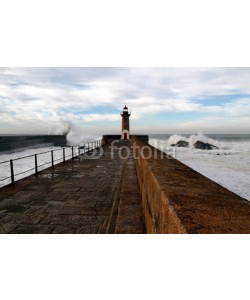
{"x": 24, "y": 171}
{"x": 5, "y": 178}
{"x": 85, "y": 147}
{"x": 2, "y": 162}
{"x": 45, "y": 164}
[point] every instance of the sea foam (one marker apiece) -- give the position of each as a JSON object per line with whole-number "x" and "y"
{"x": 229, "y": 165}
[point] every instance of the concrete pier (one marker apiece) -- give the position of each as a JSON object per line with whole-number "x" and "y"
{"x": 79, "y": 196}
{"x": 122, "y": 189}
{"x": 177, "y": 199}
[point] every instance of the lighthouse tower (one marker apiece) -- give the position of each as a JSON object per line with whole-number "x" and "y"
{"x": 125, "y": 123}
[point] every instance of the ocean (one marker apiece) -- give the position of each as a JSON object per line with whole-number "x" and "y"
{"x": 229, "y": 165}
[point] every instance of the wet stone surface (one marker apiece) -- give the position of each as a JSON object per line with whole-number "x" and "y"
{"x": 130, "y": 213}
{"x": 74, "y": 197}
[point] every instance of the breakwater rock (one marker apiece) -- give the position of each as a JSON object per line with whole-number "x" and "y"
{"x": 204, "y": 146}
{"x": 197, "y": 145}
{"x": 181, "y": 144}
{"x": 17, "y": 142}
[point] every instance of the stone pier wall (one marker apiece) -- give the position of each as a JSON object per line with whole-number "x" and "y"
{"x": 11, "y": 143}
{"x": 108, "y": 138}
{"x": 177, "y": 199}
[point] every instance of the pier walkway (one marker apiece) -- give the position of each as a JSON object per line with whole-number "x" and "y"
{"x": 79, "y": 196}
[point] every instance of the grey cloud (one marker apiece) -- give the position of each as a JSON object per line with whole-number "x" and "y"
{"x": 56, "y": 92}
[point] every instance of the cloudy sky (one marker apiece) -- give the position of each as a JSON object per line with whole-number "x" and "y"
{"x": 162, "y": 100}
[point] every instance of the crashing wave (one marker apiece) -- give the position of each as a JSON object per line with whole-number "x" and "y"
{"x": 198, "y": 141}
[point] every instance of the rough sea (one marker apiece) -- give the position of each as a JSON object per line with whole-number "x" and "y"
{"x": 229, "y": 165}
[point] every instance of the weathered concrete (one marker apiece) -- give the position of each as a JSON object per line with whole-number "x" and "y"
{"x": 177, "y": 199}
{"x": 130, "y": 216}
{"x": 74, "y": 197}
{"x": 108, "y": 138}
{"x": 107, "y": 195}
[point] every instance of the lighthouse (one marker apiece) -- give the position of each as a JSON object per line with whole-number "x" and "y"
{"x": 125, "y": 123}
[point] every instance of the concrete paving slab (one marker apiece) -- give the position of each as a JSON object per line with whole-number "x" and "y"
{"x": 74, "y": 197}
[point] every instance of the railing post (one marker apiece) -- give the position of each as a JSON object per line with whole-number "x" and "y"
{"x": 36, "y": 167}
{"x": 12, "y": 172}
{"x": 79, "y": 151}
{"x": 88, "y": 147}
{"x": 64, "y": 155}
{"x": 52, "y": 158}
{"x": 72, "y": 152}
